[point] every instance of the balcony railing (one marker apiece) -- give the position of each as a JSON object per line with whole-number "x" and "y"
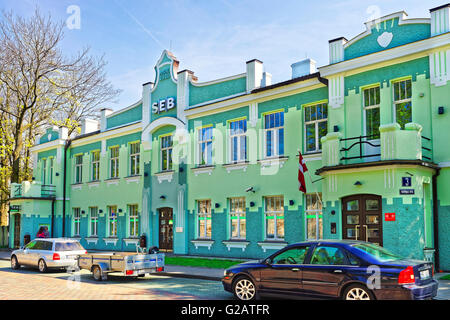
{"x": 33, "y": 189}
{"x": 392, "y": 143}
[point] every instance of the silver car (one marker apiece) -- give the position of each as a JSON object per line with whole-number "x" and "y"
{"x": 45, "y": 253}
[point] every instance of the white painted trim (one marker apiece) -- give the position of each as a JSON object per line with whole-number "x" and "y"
{"x": 111, "y": 240}
{"x": 93, "y": 184}
{"x": 200, "y": 170}
{"x": 202, "y": 243}
{"x": 239, "y": 244}
{"x": 106, "y": 134}
{"x": 114, "y": 181}
{"x": 444, "y": 164}
{"x": 271, "y": 245}
{"x": 159, "y": 65}
{"x": 207, "y": 83}
{"x": 236, "y": 166}
{"x": 164, "y": 176}
{"x": 115, "y": 113}
{"x": 47, "y": 145}
{"x": 90, "y": 240}
{"x": 77, "y": 186}
{"x": 268, "y": 162}
{"x": 129, "y": 241}
{"x": 217, "y": 100}
{"x": 135, "y": 179}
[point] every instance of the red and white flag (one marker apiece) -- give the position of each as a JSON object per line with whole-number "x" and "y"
{"x": 301, "y": 173}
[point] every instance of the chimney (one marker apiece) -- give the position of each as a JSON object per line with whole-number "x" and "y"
{"x": 63, "y": 133}
{"x": 337, "y": 49}
{"x": 105, "y": 112}
{"x": 254, "y": 74}
{"x": 267, "y": 79}
{"x": 88, "y": 126}
{"x": 303, "y": 68}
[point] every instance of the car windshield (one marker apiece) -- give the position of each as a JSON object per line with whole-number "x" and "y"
{"x": 378, "y": 252}
{"x": 68, "y": 246}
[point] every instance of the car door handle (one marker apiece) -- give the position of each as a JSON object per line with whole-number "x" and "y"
{"x": 337, "y": 271}
{"x": 295, "y": 269}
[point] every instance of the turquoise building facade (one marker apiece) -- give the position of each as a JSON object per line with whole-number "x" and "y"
{"x": 210, "y": 168}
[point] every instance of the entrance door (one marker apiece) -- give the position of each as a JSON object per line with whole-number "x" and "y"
{"x": 17, "y": 231}
{"x": 361, "y": 218}
{"x": 166, "y": 229}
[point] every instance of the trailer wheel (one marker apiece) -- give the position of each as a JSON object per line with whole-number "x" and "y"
{"x": 97, "y": 273}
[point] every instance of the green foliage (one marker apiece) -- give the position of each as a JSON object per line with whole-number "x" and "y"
{"x": 201, "y": 262}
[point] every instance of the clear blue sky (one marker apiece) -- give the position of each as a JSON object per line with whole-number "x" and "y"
{"x": 213, "y": 38}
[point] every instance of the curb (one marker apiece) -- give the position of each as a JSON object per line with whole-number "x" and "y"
{"x": 188, "y": 276}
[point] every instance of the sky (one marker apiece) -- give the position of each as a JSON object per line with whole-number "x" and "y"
{"x": 213, "y": 38}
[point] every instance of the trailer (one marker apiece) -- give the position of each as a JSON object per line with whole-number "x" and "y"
{"x": 130, "y": 264}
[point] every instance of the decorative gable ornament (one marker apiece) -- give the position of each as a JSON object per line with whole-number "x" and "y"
{"x": 385, "y": 39}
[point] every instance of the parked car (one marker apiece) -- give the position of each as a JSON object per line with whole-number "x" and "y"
{"x": 345, "y": 269}
{"x": 48, "y": 253}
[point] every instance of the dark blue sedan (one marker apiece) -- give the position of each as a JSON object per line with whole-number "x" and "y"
{"x": 349, "y": 270}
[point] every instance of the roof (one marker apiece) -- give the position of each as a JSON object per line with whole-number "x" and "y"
{"x": 299, "y": 79}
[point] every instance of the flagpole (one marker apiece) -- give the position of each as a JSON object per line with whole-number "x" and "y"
{"x": 312, "y": 182}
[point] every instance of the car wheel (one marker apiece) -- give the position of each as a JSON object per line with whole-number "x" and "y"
{"x": 42, "y": 266}
{"x": 14, "y": 263}
{"x": 244, "y": 289}
{"x": 357, "y": 292}
{"x": 97, "y": 273}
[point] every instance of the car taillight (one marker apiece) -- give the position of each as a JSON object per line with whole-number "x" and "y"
{"x": 129, "y": 272}
{"x": 56, "y": 256}
{"x": 406, "y": 276}
{"x": 160, "y": 269}
{"x": 85, "y": 251}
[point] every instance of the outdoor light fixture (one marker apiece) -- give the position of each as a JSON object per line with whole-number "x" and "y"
{"x": 33, "y": 178}
{"x": 421, "y": 94}
{"x": 336, "y": 128}
{"x": 250, "y": 190}
{"x": 120, "y": 210}
{"x": 145, "y": 174}
{"x": 163, "y": 197}
{"x": 217, "y": 205}
{"x": 83, "y": 212}
{"x": 252, "y": 204}
{"x": 440, "y": 110}
{"x": 291, "y": 202}
{"x": 333, "y": 212}
{"x": 100, "y": 211}
{"x": 358, "y": 183}
{"x": 57, "y": 174}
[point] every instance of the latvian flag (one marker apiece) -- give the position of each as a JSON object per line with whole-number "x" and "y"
{"x": 301, "y": 173}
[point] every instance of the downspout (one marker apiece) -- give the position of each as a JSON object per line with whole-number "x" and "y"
{"x": 53, "y": 216}
{"x": 67, "y": 145}
{"x": 435, "y": 219}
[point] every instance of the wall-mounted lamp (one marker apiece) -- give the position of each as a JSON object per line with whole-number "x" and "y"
{"x": 291, "y": 202}
{"x": 421, "y": 94}
{"x": 336, "y": 128}
{"x": 250, "y": 190}
{"x": 83, "y": 212}
{"x": 100, "y": 211}
{"x": 358, "y": 183}
{"x": 120, "y": 210}
{"x": 333, "y": 212}
{"x": 33, "y": 178}
{"x": 162, "y": 197}
{"x": 145, "y": 174}
{"x": 181, "y": 169}
{"x": 57, "y": 174}
{"x": 217, "y": 205}
{"x": 252, "y": 204}
{"x": 440, "y": 110}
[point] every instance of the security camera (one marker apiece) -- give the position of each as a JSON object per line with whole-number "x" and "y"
{"x": 250, "y": 189}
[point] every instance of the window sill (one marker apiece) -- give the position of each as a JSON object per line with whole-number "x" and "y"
{"x": 202, "y": 243}
{"x": 203, "y": 169}
{"x": 92, "y": 239}
{"x": 77, "y": 186}
{"x": 94, "y": 183}
{"x": 272, "y": 245}
{"x": 135, "y": 178}
{"x": 111, "y": 240}
{"x": 112, "y": 181}
{"x": 268, "y": 162}
{"x": 236, "y": 166}
{"x": 165, "y": 176}
{"x": 131, "y": 240}
{"x": 236, "y": 243}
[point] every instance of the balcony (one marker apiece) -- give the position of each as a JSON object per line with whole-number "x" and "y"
{"x": 393, "y": 143}
{"x": 33, "y": 189}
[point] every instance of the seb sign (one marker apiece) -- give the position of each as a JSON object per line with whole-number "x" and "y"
{"x": 163, "y": 105}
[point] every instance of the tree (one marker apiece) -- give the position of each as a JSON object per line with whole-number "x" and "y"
{"x": 40, "y": 85}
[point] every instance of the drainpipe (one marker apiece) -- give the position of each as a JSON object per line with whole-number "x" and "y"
{"x": 435, "y": 219}
{"x": 67, "y": 145}
{"x": 53, "y": 216}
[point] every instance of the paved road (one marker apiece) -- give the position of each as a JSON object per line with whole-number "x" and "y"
{"x": 29, "y": 284}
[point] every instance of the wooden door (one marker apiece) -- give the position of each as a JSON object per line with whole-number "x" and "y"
{"x": 17, "y": 231}
{"x": 166, "y": 229}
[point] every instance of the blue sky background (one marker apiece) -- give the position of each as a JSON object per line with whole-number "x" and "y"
{"x": 213, "y": 38}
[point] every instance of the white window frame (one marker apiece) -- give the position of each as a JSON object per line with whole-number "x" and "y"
{"x": 275, "y": 214}
{"x": 51, "y": 169}
{"x": 93, "y": 232}
{"x": 205, "y": 216}
{"x": 238, "y": 135}
{"x": 133, "y": 212}
{"x": 205, "y": 142}
{"x": 44, "y": 171}
{"x": 78, "y": 169}
{"x": 240, "y": 214}
{"x": 275, "y": 138}
{"x": 76, "y": 222}
{"x": 316, "y": 126}
{"x": 370, "y": 106}
{"x": 95, "y": 166}
{"x": 114, "y": 162}
{"x": 169, "y": 151}
{"x": 135, "y": 155}
{"x": 313, "y": 211}
{"x": 111, "y": 234}
{"x": 396, "y": 102}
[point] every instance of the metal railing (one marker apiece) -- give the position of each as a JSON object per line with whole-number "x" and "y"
{"x": 16, "y": 191}
{"x": 360, "y": 142}
{"x": 48, "y": 190}
{"x": 427, "y": 149}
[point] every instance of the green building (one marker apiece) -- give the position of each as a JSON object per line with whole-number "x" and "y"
{"x": 211, "y": 168}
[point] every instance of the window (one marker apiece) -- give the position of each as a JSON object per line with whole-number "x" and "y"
{"x": 79, "y": 168}
{"x": 325, "y": 255}
{"x": 237, "y": 218}
{"x": 274, "y": 134}
{"x": 76, "y": 221}
{"x": 238, "y": 140}
{"x": 44, "y": 171}
{"x": 372, "y": 112}
{"x": 50, "y": 178}
{"x": 274, "y": 217}
{"x": 166, "y": 153}
{"x": 93, "y": 217}
{"x": 315, "y": 126}
{"x": 204, "y": 219}
{"x": 114, "y": 162}
{"x": 31, "y": 245}
{"x": 134, "y": 220}
{"x": 205, "y": 146}
{"x": 68, "y": 246}
{"x": 95, "y": 165}
{"x": 112, "y": 218}
{"x": 291, "y": 256}
{"x": 402, "y": 102}
{"x": 314, "y": 221}
{"x": 134, "y": 158}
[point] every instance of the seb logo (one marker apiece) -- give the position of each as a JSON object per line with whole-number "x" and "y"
{"x": 163, "y": 105}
